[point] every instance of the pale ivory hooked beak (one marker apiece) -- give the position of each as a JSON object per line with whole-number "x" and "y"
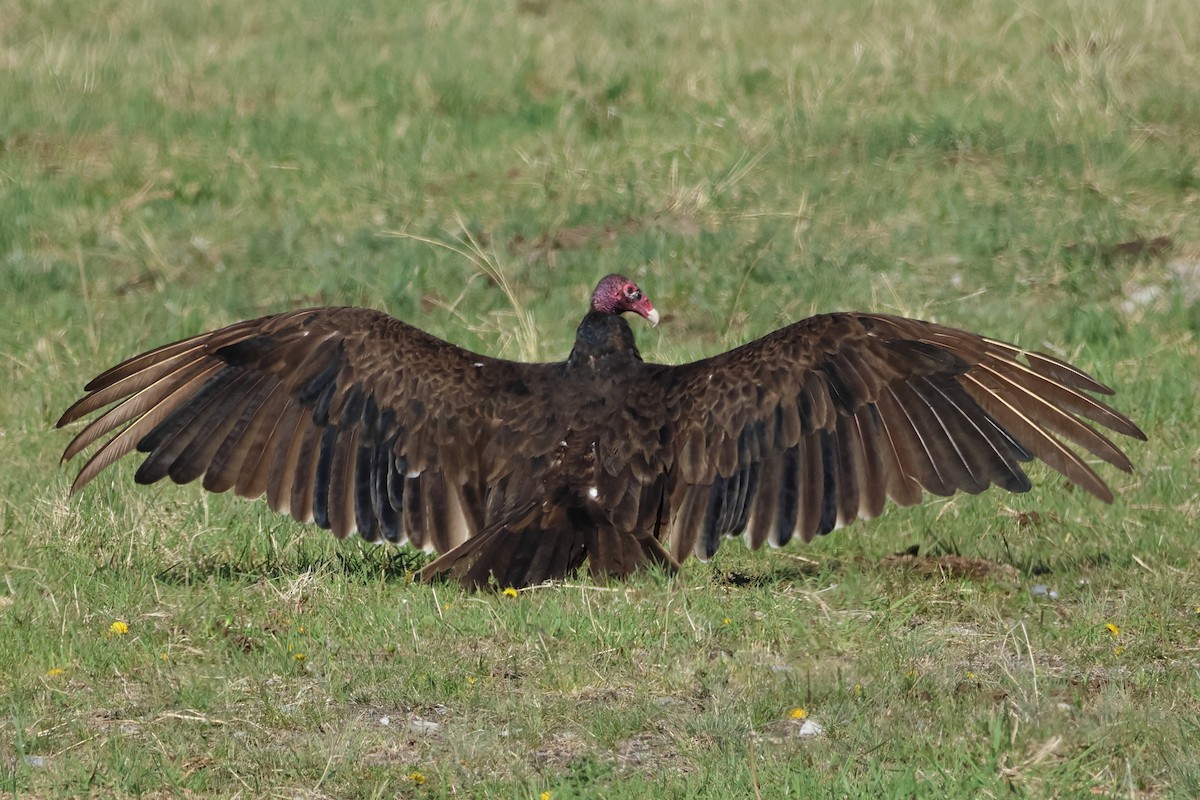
{"x": 652, "y": 317}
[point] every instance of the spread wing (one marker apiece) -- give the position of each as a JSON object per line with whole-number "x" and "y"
{"x": 818, "y": 423}
{"x": 342, "y": 416}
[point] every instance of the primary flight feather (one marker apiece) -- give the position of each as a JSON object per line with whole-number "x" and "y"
{"x": 519, "y": 473}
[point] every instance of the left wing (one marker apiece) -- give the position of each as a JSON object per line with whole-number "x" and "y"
{"x": 342, "y": 416}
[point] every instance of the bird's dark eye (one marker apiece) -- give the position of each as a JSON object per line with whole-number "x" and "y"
{"x": 632, "y": 292}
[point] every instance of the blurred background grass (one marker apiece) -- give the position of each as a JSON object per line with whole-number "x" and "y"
{"x": 1028, "y": 172}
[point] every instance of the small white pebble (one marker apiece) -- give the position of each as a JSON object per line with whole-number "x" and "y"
{"x": 37, "y": 761}
{"x": 385, "y": 720}
{"x": 421, "y": 726}
{"x": 810, "y": 729}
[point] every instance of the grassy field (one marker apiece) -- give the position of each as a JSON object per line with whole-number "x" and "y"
{"x": 1027, "y": 170}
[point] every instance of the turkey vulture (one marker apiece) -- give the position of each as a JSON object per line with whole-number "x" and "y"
{"x": 518, "y": 473}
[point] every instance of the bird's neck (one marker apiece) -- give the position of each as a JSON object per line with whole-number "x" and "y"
{"x": 603, "y": 344}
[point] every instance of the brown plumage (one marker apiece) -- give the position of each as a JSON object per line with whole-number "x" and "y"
{"x": 518, "y": 472}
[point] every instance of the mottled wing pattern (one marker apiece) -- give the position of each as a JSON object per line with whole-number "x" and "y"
{"x": 819, "y": 423}
{"x": 342, "y": 416}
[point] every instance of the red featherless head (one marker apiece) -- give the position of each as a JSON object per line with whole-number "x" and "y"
{"x": 616, "y": 294}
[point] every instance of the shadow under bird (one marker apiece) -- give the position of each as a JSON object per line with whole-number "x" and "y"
{"x": 518, "y": 473}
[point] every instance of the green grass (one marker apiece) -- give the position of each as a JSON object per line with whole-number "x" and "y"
{"x": 168, "y": 168}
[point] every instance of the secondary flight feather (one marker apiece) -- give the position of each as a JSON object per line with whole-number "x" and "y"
{"x": 518, "y": 473}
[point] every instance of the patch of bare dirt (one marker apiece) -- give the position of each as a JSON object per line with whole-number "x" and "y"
{"x": 950, "y": 566}
{"x": 1135, "y": 248}
{"x": 579, "y": 237}
{"x": 651, "y": 752}
{"x": 86, "y": 154}
{"x": 402, "y": 752}
{"x": 560, "y": 749}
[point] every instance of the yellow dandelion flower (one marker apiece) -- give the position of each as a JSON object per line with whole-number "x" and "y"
{"x": 416, "y": 777}
{"x": 510, "y": 592}
{"x": 299, "y": 656}
{"x": 1118, "y": 650}
{"x": 1113, "y": 629}
{"x": 55, "y": 672}
{"x": 163, "y": 657}
{"x": 470, "y": 680}
{"x": 118, "y": 628}
{"x": 544, "y": 796}
{"x": 726, "y": 621}
{"x": 797, "y": 713}
{"x": 970, "y": 675}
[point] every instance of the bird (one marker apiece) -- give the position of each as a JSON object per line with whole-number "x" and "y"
{"x": 516, "y": 474}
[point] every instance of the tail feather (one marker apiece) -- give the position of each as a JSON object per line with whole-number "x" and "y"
{"x": 523, "y": 550}
{"x": 612, "y": 553}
